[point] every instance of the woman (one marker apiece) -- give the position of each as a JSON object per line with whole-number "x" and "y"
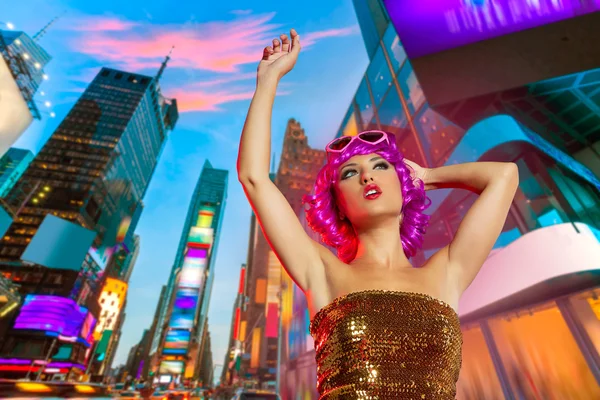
{"x": 382, "y": 329}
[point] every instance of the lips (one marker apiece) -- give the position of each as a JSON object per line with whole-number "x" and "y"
{"x": 371, "y": 192}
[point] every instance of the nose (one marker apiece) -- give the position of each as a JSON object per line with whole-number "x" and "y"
{"x": 366, "y": 178}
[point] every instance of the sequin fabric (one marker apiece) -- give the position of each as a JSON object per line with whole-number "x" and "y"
{"x": 380, "y": 345}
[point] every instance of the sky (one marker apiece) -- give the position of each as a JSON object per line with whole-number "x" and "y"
{"x": 212, "y": 75}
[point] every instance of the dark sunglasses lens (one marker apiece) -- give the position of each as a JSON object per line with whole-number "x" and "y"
{"x": 371, "y": 137}
{"x": 340, "y": 143}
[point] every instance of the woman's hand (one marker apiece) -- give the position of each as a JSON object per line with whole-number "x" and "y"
{"x": 418, "y": 172}
{"x": 279, "y": 59}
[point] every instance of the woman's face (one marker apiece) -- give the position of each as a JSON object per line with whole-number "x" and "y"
{"x": 368, "y": 189}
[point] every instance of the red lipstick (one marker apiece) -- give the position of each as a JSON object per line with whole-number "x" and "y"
{"x": 371, "y": 192}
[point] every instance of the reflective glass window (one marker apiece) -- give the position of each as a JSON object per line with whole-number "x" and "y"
{"x": 540, "y": 356}
{"x": 586, "y": 307}
{"x": 363, "y": 100}
{"x": 379, "y": 76}
{"x": 391, "y": 113}
{"x": 440, "y": 134}
{"x": 394, "y": 48}
{"x": 478, "y": 378}
{"x": 408, "y": 146}
{"x": 411, "y": 89}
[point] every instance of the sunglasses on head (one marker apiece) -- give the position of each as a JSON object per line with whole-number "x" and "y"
{"x": 371, "y": 137}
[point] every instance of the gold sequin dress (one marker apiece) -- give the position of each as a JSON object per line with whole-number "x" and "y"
{"x": 380, "y": 345}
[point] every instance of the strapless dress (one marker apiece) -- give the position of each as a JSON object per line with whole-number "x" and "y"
{"x": 379, "y": 345}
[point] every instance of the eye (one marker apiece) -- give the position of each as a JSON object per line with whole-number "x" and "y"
{"x": 348, "y": 173}
{"x": 381, "y": 165}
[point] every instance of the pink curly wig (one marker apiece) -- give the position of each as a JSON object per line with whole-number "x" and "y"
{"x": 322, "y": 213}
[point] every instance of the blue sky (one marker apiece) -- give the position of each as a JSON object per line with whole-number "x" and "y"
{"x": 217, "y": 48}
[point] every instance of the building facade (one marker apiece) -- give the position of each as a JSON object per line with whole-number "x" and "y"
{"x": 77, "y": 205}
{"x": 530, "y": 319}
{"x": 21, "y": 73}
{"x": 12, "y": 165}
{"x": 182, "y": 335}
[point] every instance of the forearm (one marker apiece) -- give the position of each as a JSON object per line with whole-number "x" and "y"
{"x": 473, "y": 176}
{"x": 255, "y": 143}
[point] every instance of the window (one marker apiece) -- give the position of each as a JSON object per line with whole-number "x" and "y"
{"x": 441, "y": 135}
{"x": 379, "y": 76}
{"x": 411, "y": 89}
{"x": 391, "y": 113}
{"x": 363, "y": 100}
{"x": 478, "y": 379}
{"x": 105, "y": 73}
{"x": 540, "y": 355}
{"x": 118, "y": 76}
{"x": 394, "y": 48}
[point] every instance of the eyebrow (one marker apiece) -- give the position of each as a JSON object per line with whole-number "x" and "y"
{"x": 354, "y": 164}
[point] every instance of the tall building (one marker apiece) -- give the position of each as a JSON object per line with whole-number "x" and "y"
{"x": 12, "y": 165}
{"x": 21, "y": 72}
{"x": 75, "y": 210}
{"x": 150, "y": 357}
{"x": 95, "y": 168}
{"x": 298, "y": 168}
{"x": 534, "y": 303}
{"x": 183, "y": 319}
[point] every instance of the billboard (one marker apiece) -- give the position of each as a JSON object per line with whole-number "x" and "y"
{"x": 111, "y": 301}
{"x": 190, "y": 283}
{"x": 15, "y": 116}
{"x": 56, "y": 314}
{"x": 431, "y": 26}
{"x": 171, "y": 368}
{"x": 59, "y": 243}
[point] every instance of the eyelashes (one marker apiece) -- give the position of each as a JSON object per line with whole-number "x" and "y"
{"x": 380, "y": 165}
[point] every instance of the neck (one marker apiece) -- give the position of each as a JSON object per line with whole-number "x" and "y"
{"x": 381, "y": 247}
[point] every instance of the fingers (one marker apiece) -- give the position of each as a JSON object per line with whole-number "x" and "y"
{"x": 295, "y": 41}
{"x": 285, "y": 43}
{"x": 267, "y": 52}
{"x": 276, "y": 46}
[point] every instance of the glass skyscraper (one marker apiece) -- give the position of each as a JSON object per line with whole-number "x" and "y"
{"x": 535, "y": 302}
{"x": 12, "y": 165}
{"x": 95, "y": 168}
{"x": 181, "y": 329}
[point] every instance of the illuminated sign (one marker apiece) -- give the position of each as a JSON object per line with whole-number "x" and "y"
{"x": 54, "y": 314}
{"x": 111, "y": 300}
{"x": 190, "y": 284}
{"x": 171, "y": 367}
{"x": 430, "y": 26}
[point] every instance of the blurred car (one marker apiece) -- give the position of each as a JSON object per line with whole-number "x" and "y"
{"x": 249, "y": 394}
{"x": 128, "y": 395}
{"x": 177, "y": 395}
{"x": 199, "y": 394}
{"x": 159, "y": 395}
{"x": 56, "y": 390}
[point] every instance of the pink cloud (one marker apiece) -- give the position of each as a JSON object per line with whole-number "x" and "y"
{"x": 220, "y": 47}
{"x": 101, "y": 24}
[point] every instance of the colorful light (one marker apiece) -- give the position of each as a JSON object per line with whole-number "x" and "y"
{"x": 52, "y": 313}
{"x": 430, "y": 26}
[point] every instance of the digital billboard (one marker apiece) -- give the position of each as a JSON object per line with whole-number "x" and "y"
{"x": 171, "y": 368}
{"x": 190, "y": 283}
{"x": 54, "y": 314}
{"x": 111, "y": 300}
{"x": 176, "y": 342}
{"x": 431, "y": 26}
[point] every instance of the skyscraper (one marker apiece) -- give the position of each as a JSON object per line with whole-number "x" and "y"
{"x": 183, "y": 322}
{"x": 12, "y": 165}
{"x": 295, "y": 177}
{"x": 21, "y": 72}
{"x": 92, "y": 173}
{"x": 95, "y": 168}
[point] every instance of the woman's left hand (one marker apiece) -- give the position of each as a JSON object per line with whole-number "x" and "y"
{"x": 418, "y": 172}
